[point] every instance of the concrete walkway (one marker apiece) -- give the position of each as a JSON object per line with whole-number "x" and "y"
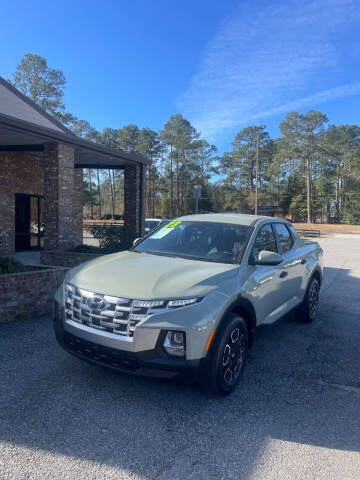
{"x": 28, "y": 258}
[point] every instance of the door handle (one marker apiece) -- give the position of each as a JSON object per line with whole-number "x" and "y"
{"x": 283, "y": 274}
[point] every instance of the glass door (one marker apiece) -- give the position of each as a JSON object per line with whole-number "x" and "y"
{"x": 29, "y": 228}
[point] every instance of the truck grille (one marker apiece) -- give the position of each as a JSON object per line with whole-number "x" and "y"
{"x": 103, "y": 312}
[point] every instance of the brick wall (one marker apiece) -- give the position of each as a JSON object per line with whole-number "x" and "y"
{"x": 65, "y": 259}
{"x": 29, "y": 293}
{"x": 54, "y": 177}
{"x": 63, "y": 194}
{"x": 20, "y": 173}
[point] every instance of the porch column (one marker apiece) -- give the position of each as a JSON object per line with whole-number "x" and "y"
{"x": 62, "y": 198}
{"x": 78, "y": 204}
{"x": 134, "y": 199}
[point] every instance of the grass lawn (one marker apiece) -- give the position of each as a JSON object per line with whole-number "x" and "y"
{"x": 328, "y": 227}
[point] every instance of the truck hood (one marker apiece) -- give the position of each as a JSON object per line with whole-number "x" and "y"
{"x": 143, "y": 276}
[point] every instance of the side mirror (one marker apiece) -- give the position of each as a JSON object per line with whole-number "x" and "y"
{"x": 269, "y": 258}
{"x": 137, "y": 240}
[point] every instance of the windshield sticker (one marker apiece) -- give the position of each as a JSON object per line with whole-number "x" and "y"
{"x": 161, "y": 233}
{"x": 172, "y": 224}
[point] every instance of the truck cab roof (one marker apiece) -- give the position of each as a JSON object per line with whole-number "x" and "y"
{"x": 236, "y": 218}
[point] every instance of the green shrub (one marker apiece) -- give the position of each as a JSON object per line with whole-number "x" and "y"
{"x": 93, "y": 249}
{"x": 115, "y": 238}
{"x": 10, "y": 265}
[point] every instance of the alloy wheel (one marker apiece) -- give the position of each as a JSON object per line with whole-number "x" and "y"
{"x": 233, "y": 356}
{"x": 313, "y": 299}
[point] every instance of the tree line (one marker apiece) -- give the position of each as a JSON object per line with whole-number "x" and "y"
{"x": 311, "y": 172}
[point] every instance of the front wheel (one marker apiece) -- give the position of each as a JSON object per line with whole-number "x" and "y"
{"x": 308, "y": 310}
{"x": 228, "y": 356}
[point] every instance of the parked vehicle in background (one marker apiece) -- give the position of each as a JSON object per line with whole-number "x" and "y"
{"x": 153, "y": 223}
{"x": 189, "y": 296}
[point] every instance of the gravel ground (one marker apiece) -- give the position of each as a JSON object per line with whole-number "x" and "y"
{"x": 294, "y": 416}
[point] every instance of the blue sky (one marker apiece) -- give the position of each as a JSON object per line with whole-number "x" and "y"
{"x": 222, "y": 64}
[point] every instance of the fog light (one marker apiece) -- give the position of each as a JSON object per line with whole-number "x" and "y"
{"x": 174, "y": 344}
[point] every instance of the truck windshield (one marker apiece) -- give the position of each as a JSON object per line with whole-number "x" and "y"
{"x": 207, "y": 241}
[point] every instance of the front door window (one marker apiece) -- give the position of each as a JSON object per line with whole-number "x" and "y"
{"x": 29, "y": 227}
{"x": 265, "y": 240}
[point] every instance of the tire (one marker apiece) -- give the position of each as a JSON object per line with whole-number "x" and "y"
{"x": 228, "y": 356}
{"x": 309, "y": 308}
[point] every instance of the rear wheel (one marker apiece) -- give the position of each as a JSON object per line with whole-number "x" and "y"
{"x": 228, "y": 356}
{"x": 308, "y": 310}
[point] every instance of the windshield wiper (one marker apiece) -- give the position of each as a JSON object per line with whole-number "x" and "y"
{"x": 161, "y": 254}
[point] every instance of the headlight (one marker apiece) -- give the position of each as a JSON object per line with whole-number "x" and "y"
{"x": 161, "y": 304}
{"x": 146, "y": 308}
{"x": 174, "y": 343}
{"x": 148, "y": 303}
{"x": 181, "y": 302}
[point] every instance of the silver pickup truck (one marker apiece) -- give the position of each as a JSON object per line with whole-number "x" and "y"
{"x": 187, "y": 298}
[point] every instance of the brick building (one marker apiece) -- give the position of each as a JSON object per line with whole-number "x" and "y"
{"x": 41, "y": 164}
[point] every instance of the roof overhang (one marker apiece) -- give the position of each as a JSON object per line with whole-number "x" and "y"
{"x": 18, "y": 135}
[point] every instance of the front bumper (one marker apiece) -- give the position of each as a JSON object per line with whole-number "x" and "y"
{"x": 137, "y": 358}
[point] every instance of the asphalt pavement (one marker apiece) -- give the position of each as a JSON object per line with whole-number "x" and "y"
{"x": 295, "y": 415}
